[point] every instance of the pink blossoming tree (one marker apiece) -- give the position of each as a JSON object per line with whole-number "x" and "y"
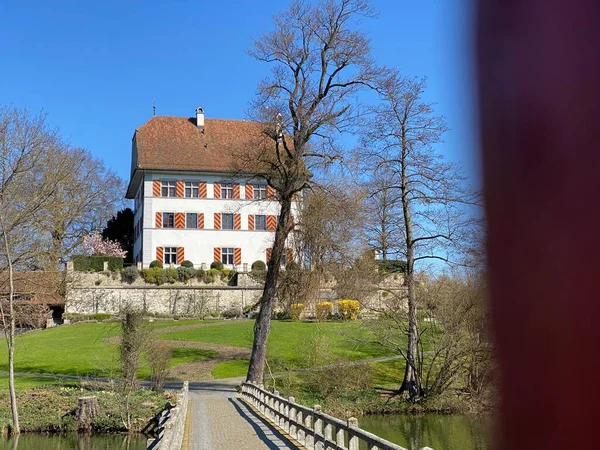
{"x": 94, "y": 245}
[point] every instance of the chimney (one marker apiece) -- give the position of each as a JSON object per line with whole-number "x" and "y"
{"x": 200, "y": 118}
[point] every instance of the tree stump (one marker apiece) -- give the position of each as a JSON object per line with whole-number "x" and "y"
{"x": 87, "y": 410}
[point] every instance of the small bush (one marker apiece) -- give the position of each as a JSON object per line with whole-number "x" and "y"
{"x": 73, "y": 317}
{"x": 296, "y": 310}
{"x": 391, "y": 266}
{"x": 159, "y": 356}
{"x": 258, "y": 266}
{"x": 130, "y": 274}
{"x": 156, "y": 264}
{"x": 171, "y": 274}
{"x": 208, "y": 276}
{"x": 348, "y": 309}
{"x": 185, "y": 273}
{"x": 187, "y": 263}
{"x": 216, "y": 265}
{"x": 231, "y": 313}
{"x": 284, "y": 314}
{"x": 324, "y": 310}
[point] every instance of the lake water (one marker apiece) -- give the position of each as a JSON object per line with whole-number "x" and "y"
{"x": 73, "y": 442}
{"x": 440, "y": 432}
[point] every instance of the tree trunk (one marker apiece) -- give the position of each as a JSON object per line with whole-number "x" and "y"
{"x": 412, "y": 379}
{"x": 262, "y": 326}
{"x": 9, "y": 332}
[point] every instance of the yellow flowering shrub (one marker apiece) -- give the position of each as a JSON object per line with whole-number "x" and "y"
{"x": 324, "y": 309}
{"x": 296, "y": 310}
{"x": 348, "y": 309}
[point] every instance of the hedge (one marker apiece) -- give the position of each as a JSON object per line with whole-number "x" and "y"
{"x": 83, "y": 263}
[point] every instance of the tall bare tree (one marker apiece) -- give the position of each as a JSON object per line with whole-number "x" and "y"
{"x": 29, "y": 177}
{"x": 319, "y": 61}
{"x": 400, "y": 140}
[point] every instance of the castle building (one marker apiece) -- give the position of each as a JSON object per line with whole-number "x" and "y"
{"x": 191, "y": 201}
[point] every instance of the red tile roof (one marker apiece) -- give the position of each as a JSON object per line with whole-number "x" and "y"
{"x": 176, "y": 143}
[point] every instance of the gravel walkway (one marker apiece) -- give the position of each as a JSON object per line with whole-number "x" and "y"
{"x": 221, "y": 421}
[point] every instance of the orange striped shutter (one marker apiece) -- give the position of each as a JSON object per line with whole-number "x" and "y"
{"x": 237, "y": 221}
{"x": 289, "y": 255}
{"x": 269, "y": 251}
{"x": 236, "y": 191}
{"x": 202, "y": 189}
{"x": 201, "y": 221}
{"x": 237, "y": 256}
{"x": 217, "y": 190}
{"x": 158, "y": 220}
{"x": 179, "y": 220}
{"x": 271, "y": 223}
{"x": 160, "y": 254}
{"x": 251, "y": 221}
{"x": 270, "y": 193}
{"x": 179, "y": 188}
{"x": 249, "y": 191}
{"x": 217, "y": 254}
{"x": 180, "y": 254}
{"x": 156, "y": 188}
{"x": 291, "y": 222}
{"x": 217, "y": 221}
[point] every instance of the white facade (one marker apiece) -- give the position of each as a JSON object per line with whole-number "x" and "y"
{"x": 199, "y": 244}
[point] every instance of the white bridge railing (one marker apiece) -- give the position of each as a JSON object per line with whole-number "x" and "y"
{"x": 311, "y": 427}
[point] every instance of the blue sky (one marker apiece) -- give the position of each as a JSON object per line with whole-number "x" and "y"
{"x": 95, "y": 67}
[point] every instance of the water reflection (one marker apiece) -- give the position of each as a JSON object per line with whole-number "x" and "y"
{"x": 72, "y": 442}
{"x": 441, "y": 432}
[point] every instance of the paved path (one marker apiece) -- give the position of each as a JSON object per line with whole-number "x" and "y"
{"x": 221, "y": 421}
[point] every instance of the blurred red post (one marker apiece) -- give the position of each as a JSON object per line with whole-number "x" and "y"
{"x": 538, "y": 63}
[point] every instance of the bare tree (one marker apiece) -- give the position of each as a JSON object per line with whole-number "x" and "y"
{"x": 319, "y": 62}
{"x": 28, "y": 179}
{"x": 400, "y": 141}
{"x": 82, "y": 203}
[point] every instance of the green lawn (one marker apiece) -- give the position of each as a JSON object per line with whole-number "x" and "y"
{"x": 230, "y": 369}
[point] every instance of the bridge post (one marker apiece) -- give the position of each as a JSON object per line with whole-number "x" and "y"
{"x": 292, "y": 416}
{"x": 318, "y": 428}
{"x": 328, "y": 436}
{"x": 276, "y": 405}
{"x": 309, "y": 441}
{"x": 286, "y": 417}
{"x": 299, "y": 419}
{"x": 339, "y": 438}
{"x": 352, "y": 438}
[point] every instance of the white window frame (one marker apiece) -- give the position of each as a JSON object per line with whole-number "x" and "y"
{"x": 259, "y": 191}
{"x": 171, "y": 188}
{"x": 228, "y": 255}
{"x": 187, "y": 216}
{"x": 192, "y": 188}
{"x": 170, "y": 255}
{"x": 227, "y": 190}
{"x": 264, "y": 218}
{"x": 224, "y": 221}
{"x": 164, "y": 216}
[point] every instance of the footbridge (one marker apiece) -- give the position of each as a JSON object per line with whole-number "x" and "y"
{"x": 219, "y": 415}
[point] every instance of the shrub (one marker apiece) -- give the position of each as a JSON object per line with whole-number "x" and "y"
{"x": 74, "y": 317}
{"x": 216, "y": 265}
{"x": 187, "y": 263}
{"x": 84, "y": 263}
{"x": 208, "y": 276}
{"x": 348, "y": 309}
{"x": 392, "y": 266}
{"x": 296, "y": 310}
{"x": 171, "y": 275}
{"x": 284, "y": 314}
{"x": 258, "y": 266}
{"x": 130, "y": 274}
{"x": 324, "y": 310}
{"x": 185, "y": 273}
{"x": 231, "y": 313}
{"x": 159, "y": 356}
{"x": 156, "y": 264}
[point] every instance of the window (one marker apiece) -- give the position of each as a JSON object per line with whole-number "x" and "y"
{"x": 227, "y": 190}
{"x": 260, "y": 191}
{"x": 191, "y": 189}
{"x": 227, "y": 255}
{"x": 168, "y": 220}
{"x": 260, "y": 222}
{"x": 227, "y": 221}
{"x": 191, "y": 220}
{"x": 168, "y": 188}
{"x": 170, "y": 255}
